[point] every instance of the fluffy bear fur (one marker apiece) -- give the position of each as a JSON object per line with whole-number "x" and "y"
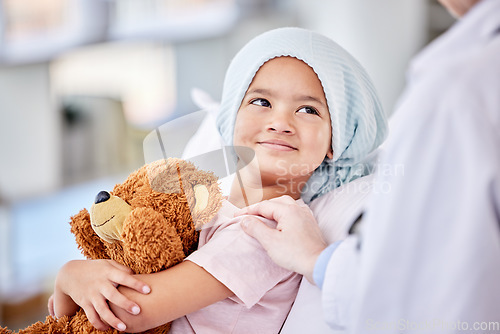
{"x": 160, "y": 231}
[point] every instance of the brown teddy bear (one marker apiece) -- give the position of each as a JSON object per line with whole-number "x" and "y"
{"x": 149, "y": 223}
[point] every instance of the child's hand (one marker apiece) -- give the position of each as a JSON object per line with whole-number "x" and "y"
{"x": 92, "y": 283}
{"x": 50, "y": 305}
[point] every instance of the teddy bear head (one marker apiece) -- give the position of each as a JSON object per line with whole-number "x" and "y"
{"x": 151, "y": 221}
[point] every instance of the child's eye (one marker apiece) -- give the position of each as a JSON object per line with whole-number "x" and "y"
{"x": 261, "y": 102}
{"x": 308, "y": 110}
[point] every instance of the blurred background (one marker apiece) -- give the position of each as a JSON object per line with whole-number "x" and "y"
{"x": 82, "y": 82}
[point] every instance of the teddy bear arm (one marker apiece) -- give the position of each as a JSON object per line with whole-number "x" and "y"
{"x": 88, "y": 242}
{"x": 150, "y": 243}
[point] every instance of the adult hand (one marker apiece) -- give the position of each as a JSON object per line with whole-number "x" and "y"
{"x": 295, "y": 243}
{"x": 91, "y": 284}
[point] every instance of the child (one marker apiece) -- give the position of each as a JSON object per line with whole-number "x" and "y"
{"x": 311, "y": 115}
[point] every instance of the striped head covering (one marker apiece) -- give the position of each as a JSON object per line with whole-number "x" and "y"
{"x": 359, "y": 124}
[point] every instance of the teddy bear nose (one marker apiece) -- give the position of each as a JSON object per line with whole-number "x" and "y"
{"x": 102, "y": 196}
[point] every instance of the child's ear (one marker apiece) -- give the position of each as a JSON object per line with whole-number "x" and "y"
{"x": 329, "y": 154}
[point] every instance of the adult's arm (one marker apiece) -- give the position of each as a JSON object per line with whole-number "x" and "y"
{"x": 430, "y": 253}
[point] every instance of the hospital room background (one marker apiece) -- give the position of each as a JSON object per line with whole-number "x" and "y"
{"x": 83, "y": 82}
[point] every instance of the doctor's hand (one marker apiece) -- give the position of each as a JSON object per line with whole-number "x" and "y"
{"x": 295, "y": 243}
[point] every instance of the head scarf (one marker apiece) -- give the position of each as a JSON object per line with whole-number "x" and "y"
{"x": 359, "y": 123}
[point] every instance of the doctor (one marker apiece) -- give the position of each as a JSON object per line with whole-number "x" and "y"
{"x": 427, "y": 259}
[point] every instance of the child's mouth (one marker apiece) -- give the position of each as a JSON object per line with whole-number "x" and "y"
{"x": 278, "y": 145}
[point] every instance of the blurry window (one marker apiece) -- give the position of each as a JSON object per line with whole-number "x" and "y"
{"x": 28, "y": 18}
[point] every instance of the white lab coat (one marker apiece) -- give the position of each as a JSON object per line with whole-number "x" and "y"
{"x": 429, "y": 260}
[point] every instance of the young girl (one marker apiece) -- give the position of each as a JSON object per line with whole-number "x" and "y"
{"x": 311, "y": 115}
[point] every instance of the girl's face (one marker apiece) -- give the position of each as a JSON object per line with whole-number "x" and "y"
{"x": 284, "y": 118}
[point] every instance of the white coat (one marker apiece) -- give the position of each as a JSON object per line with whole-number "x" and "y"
{"x": 429, "y": 260}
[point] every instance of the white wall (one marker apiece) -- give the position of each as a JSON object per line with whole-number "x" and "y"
{"x": 29, "y": 132}
{"x": 383, "y": 35}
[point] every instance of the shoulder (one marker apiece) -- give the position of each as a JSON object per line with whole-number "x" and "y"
{"x": 481, "y": 68}
{"x": 336, "y": 210}
{"x": 479, "y": 71}
{"x": 472, "y": 88}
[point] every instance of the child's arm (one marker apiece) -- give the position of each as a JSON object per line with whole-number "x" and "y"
{"x": 88, "y": 284}
{"x": 175, "y": 292}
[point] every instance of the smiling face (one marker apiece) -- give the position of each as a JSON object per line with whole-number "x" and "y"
{"x": 284, "y": 118}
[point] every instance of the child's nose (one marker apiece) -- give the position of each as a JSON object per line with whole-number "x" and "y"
{"x": 281, "y": 122}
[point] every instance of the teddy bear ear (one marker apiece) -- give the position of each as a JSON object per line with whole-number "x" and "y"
{"x": 88, "y": 242}
{"x": 208, "y": 201}
{"x": 200, "y": 187}
{"x": 202, "y": 192}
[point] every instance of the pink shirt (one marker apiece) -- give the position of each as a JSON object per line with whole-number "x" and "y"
{"x": 264, "y": 292}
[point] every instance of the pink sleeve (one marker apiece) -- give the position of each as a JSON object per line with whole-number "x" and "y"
{"x": 239, "y": 262}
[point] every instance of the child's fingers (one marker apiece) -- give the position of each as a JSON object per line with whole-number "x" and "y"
{"x": 122, "y": 278}
{"x": 118, "y": 299}
{"x": 94, "y": 317}
{"x": 108, "y": 317}
{"x": 50, "y": 305}
{"x": 120, "y": 267}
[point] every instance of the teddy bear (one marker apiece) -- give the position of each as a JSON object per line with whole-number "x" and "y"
{"x": 149, "y": 223}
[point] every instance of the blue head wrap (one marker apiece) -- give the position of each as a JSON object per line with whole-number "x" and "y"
{"x": 359, "y": 123}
